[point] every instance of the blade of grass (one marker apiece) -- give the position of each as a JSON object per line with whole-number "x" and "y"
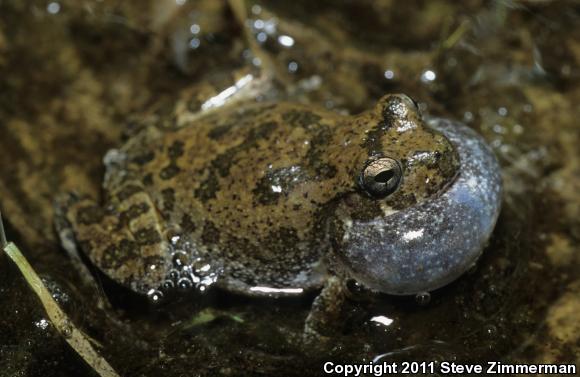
{"x": 73, "y": 336}
{"x": 2, "y": 234}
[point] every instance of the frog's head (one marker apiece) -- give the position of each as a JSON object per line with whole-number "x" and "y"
{"x": 406, "y": 161}
{"x": 381, "y": 229}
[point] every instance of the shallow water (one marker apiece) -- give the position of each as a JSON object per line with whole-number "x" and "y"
{"x": 74, "y": 76}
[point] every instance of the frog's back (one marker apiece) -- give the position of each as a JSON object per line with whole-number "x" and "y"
{"x": 243, "y": 195}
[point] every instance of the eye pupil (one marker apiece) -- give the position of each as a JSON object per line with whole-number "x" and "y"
{"x": 381, "y": 177}
{"x": 384, "y": 176}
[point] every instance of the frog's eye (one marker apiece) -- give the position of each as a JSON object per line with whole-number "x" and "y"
{"x": 381, "y": 177}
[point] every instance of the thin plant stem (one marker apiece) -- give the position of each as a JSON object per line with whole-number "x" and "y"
{"x": 79, "y": 341}
{"x": 3, "y": 241}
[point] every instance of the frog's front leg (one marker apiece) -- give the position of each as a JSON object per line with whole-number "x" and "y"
{"x": 330, "y": 311}
{"x": 324, "y": 317}
{"x": 124, "y": 240}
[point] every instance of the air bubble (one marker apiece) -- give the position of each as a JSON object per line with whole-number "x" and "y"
{"x": 168, "y": 284}
{"x": 428, "y": 76}
{"x": 286, "y": 40}
{"x": 194, "y": 43}
{"x": 354, "y": 287}
{"x": 173, "y": 275}
{"x": 292, "y": 67}
{"x": 184, "y": 284}
{"x": 195, "y": 29}
{"x": 468, "y": 116}
{"x": 66, "y": 328}
{"x": 259, "y": 24}
{"x": 188, "y": 274}
{"x": 423, "y": 298}
{"x": 42, "y": 324}
{"x": 180, "y": 259}
{"x": 270, "y": 26}
{"x": 186, "y": 270}
{"x": 204, "y": 268}
{"x": 155, "y": 296}
{"x": 53, "y": 8}
{"x": 491, "y": 331}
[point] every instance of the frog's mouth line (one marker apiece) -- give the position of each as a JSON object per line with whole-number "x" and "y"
{"x": 430, "y": 244}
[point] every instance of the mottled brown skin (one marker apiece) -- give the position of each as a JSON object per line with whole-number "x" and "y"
{"x": 245, "y": 194}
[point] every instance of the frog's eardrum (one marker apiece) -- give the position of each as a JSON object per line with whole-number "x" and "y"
{"x": 427, "y": 246}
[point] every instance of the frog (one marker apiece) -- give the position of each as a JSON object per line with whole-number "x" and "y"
{"x": 276, "y": 199}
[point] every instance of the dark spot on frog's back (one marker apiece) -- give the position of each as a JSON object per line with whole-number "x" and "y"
{"x": 118, "y": 254}
{"x": 221, "y": 164}
{"x": 169, "y": 171}
{"x": 168, "y": 195}
{"x": 218, "y": 132}
{"x": 208, "y": 188}
{"x": 224, "y": 161}
{"x": 147, "y": 236}
{"x": 148, "y": 179}
{"x": 262, "y": 132}
{"x": 128, "y": 191}
{"x": 210, "y": 234}
{"x": 143, "y": 158}
{"x": 90, "y": 215}
{"x": 175, "y": 150}
{"x": 153, "y": 261}
{"x": 300, "y": 118}
{"x": 135, "y": 211}
{"x": 316, "y": 152}
{"x": 187, "y": 224}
